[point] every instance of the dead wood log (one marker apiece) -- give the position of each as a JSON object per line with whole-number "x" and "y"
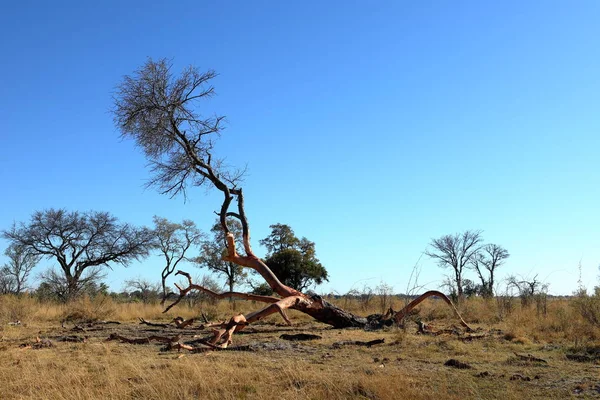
{"x": 222, "y": 337}
{"x": 146, "y": 340}
{"x": 181, "y": 323}
{"x": 299, "y": 336}
{"x": 457, "y": 364}
{"x": 530, "y": 358}
{"x": 370, "y": 343}
{"x": 474, "y": 337}
{"x": 519, "y": 377}
{"x": 582, "y": 357}
{"x": 37, "y": 344}
{"x": 314, "y": 306}
{"x": 194, "y": 349}
{"x": 155, "y": 324}
{"x": 78, "y": 328}
{"x": 72, "y": 338}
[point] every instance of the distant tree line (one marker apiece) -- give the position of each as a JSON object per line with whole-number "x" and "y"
{"x": 83, "y": 245}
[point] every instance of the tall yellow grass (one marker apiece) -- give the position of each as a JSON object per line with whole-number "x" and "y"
{"x": 565, "y": 319}
{"x": 109, "y": 370}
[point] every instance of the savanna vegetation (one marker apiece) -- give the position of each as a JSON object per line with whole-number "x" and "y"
{"x": 71, "y": 338}
{"x": 60, "y": 351}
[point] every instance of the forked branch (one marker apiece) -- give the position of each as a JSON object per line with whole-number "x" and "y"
{"x": 400, "y": 315}
{"x": 192, "y": 286}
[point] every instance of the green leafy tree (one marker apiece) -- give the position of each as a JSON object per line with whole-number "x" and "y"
{"x": 293, "y": 260}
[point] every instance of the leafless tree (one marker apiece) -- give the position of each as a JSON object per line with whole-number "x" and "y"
{"x": 16, "y": 271}
{"x": 143, "y": 288}
{"x": 174, "y": 240}
{"x": 57, "y": 286}
{"x": 456, "y": 251}
{"x": 489, "y": 258}
{"x": 385, "y": 295}
{"x": 159, "y": 111}
{"x": 7, "y": 284}
{"x": 530, "y": 289}
{"x": 79, "y": 241}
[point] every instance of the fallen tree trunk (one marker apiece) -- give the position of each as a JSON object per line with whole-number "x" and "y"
{"x": 194, "y": 349}
{"x": 146, "y": 340}
{"x": 315, "y": 306}
{"x": 370, "y": 343}
{"x": 158, "y": 325}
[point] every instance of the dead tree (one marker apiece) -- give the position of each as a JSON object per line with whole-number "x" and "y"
{"x": 456, "y": 251}
{"x": 174, "y": 240}
{"x": 14, "y": 273}
{"x": 158, "y": 111}
{"x": 489, "y": 258}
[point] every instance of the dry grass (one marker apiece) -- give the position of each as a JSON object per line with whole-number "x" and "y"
{"x": 407, "y": 366}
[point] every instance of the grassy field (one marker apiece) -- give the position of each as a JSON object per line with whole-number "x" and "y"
{"x": 408, "y": 365}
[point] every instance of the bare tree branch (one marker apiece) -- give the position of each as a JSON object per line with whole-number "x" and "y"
{"x": 456, "y": 251}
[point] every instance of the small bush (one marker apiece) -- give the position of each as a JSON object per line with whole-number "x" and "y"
{"x": 588, "y": 306}
{"x": 90, "y": 309}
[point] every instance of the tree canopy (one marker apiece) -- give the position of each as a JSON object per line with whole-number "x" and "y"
{"x": 80, "y": 243}
{"x": 456, "y": 252}
{"x": 174, "y": 240}
{"x": 293, "y": 260}
{"x": 485, "y": 262}
{"x": 14, "y": 273}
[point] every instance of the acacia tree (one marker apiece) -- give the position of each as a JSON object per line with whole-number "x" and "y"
{"x": 293, "y": 260}
{"x": 142, "y": 288}
{"x": 174, "y": 240}
{"x": 16, "y": 271}
{"x": 455, "y": 252}
{"x": 54, "y": 284}
{"x": 159, "y": 112}
{"x": 282, "y": 237}
{"x": 79, "y": 243}
{"x": 212, "y": 254}
{"x": 488, "y": 258}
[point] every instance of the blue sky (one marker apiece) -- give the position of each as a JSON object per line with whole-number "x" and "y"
{"x": 369, "y": 127}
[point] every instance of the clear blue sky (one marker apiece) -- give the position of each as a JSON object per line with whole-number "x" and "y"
{"x": 369, "y": 127}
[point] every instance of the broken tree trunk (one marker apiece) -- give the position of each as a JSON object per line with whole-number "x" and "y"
{"x": 370, "y": 343}
{"x": 180, "y": 152}
{"x": 289, "y": 298}
{"x": 315, "y": 306}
